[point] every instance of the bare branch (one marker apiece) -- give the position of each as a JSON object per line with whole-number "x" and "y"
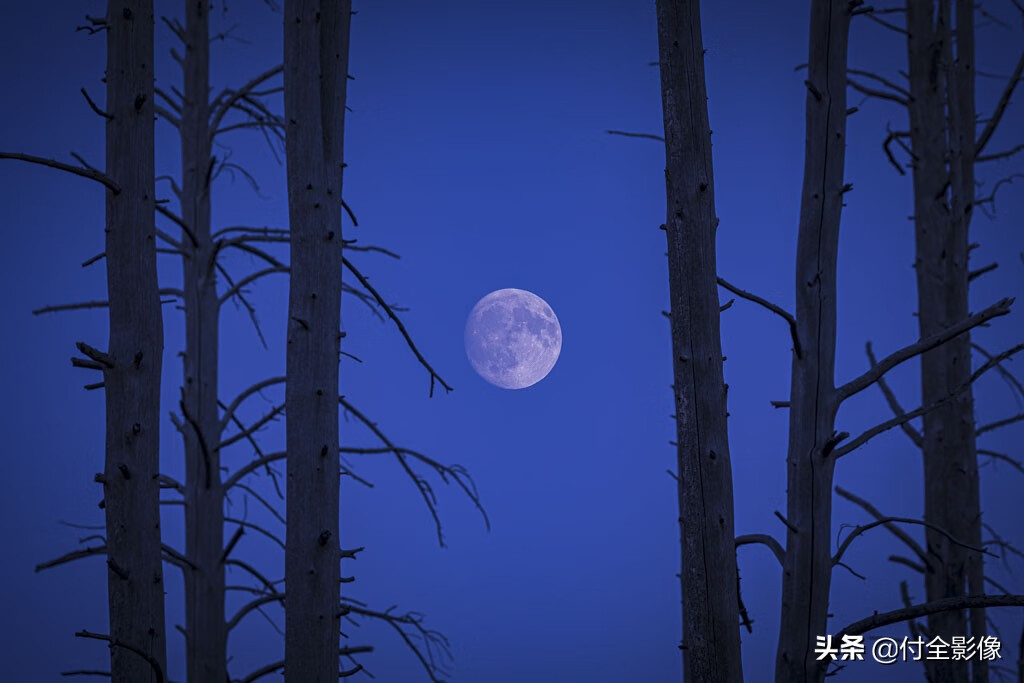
{"x": 887, "y": 83}
{"x": 277, "y": 666}
{"x": 247, "y": 280}
{"x": 158, "y": 671}
{"x": 1005, "y": 154}
{"x": 250, "y": 606}
{"x": 893, "y": 136}
{"x": 227, "y": 98}
{"x": 167, "y": 116}
{"x": 766, "y": 540}
{"x": 432, "y": 640}
{"x": 250, "y": 467}
{"x": 934, "y": 607}
{"x": 647, "y": 136}
{"x": 906, "y": 417}
{"x": 243, "y": 524}
{"x": 243, "y": 395}
{"x": 858, "y": 384}
{"x": 894, "y": 403}
{"x": 398, "y": 322}
{"x": 171, "y": 102}
{"x": 163, "y": 210}
{"x": 886, "y": 522}
{"x": 83, "y": 305}
{"x": 456, "y": 472}
{"x": 892, "y": 528}
{"x": 92, "y": 105}
{"x": 256, "y": 426}
{"x": 250, "y": 309}
{"x": 997, "y": 116}
{"x": 998, "y": 424}
{"x": 907, "y": 562}
{"x": 778, "y": 310}
{"x": 887, "y": 24}
{"x": 90, "y": 173}
{"x": 1002, "y": 457}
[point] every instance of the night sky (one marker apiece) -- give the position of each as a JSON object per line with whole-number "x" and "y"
{"x": 477, "y": 150}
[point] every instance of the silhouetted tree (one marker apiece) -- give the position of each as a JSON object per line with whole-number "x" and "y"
{"x": 710, "y": 609}
{"x": 944, "y": 150}
{"x": 316, "y": 43}
{"x": 132, "y": 363}
{"x": 205, "y": 626}
{"x": 815, "y": 445}
{"x": 131, "y": 366}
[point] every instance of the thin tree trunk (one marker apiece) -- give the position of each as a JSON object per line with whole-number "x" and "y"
{"x": 206, "y": 644}
{"x": 315, "y": 73}
{"x": 132, "y": 380}
{"x": 942, "y": 139}
{"x": 710, "y": 610}
{"x": 807, "y": 565}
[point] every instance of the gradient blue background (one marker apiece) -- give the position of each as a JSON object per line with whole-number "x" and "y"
{"x": 477, "y": 149}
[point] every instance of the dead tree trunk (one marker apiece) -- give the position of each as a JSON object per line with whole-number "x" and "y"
{"x": 206, "y": 643}
{"x": 315, "y": 74}
{"x": 941, "y": 111}
{"x": 711, "y": 638}
{"x": 133, "y": 362}
{"x": 807, "y": 565}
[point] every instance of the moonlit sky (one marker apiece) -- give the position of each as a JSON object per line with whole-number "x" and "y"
{"x": 477, "y": 150}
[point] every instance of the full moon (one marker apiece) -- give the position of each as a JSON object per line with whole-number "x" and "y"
{"x": 513, "y": 338}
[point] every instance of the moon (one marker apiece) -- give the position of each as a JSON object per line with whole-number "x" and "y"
{"x": 513, "y": 338}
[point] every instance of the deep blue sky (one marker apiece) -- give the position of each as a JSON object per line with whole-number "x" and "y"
{"x": 476, "y": 149}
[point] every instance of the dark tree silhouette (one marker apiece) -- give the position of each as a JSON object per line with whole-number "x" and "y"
{"x": 132, "y": 363}
{"x": 316, "y": 44}
{"x": 206, "y": 632}
{"x": 944, "y": 150}
{"x": 711, "y": 639}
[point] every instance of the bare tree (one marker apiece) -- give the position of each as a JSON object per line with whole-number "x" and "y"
{"x": 132, "y": 363}
{"x": 205, "y": 627}
{"x": 131, "y": 366}
{"x": 813, "y": 403}
{"x": 316, "y": 44}
{"x": 941, "y": 107}
{"x": 709, "y": 582}
{"x": 944, "y": 150}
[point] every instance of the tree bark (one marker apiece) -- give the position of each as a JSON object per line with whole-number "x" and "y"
{"x": 206, "y": 644}
{"x": 710, "y": 610}
{"x": 315, "y": 77}
{"x": 807, "y": 565}
{"x": 132, "y": 380}
{"x": 941, "y": 112}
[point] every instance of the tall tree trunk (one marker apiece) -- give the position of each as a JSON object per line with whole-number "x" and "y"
{"x": 132, "y": 382}
{"x": 942, "y": 139}
{"x": 710, "y": 611}
{"x": 807, "y": 565}
{"x": 315, "y": 74}
{"x": 206, "y": 645}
